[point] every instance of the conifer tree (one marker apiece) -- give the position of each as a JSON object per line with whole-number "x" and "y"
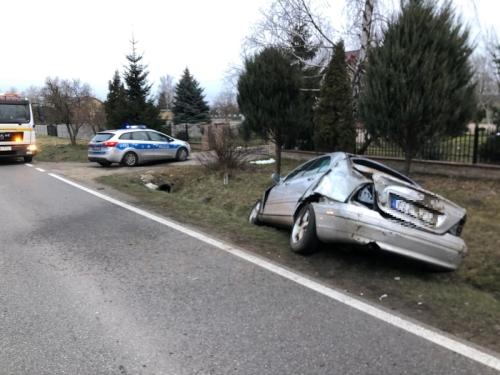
{"x": 141, "y": 108}
{"x": 418, "y": 83}
{"x": 269, "y": 97}
{"x": 335, "y": 128}
{"x": 189, "y": 106}
{"x": 115, "y": 104}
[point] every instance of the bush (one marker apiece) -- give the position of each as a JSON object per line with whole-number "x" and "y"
{"x": 226, "y": 154}
{"x": 490, "y": 150}
{"x": 182, "y": 135}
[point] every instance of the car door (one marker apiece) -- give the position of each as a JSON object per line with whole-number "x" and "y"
{"x": 142, "y": 145}
{"x": 161, "y": 143}
{"x": 278, "y": 201}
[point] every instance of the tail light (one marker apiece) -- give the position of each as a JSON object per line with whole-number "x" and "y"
{"x": 109, "y": 144}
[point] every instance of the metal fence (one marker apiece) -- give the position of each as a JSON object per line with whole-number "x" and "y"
{"x": 476, "y": 146}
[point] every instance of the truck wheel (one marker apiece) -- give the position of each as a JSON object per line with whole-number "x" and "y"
{"x": 28, "y": 159}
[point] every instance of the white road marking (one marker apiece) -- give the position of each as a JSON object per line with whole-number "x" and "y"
{"x": 29, "y": 165}
{"x": 40, "y": 169}
{"x": 420, "y": 331}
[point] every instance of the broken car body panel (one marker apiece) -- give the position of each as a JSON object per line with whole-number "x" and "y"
{"x": 362, "y": 202}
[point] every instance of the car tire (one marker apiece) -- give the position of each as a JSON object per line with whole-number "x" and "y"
{"x": 130, "y": 159}
{"x": 253, "y": 217}
{"x": 182, "y": 154}
{"x": 105, "y": 164}
{"x": 303, "y": 239}
{"x": 28, "y": 159}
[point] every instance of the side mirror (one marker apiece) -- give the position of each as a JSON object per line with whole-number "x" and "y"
{"x": 40, "y": 114}
{"x": 276, "y": 178}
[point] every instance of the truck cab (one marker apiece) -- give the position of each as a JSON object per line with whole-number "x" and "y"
{"x": 17, "y": 128}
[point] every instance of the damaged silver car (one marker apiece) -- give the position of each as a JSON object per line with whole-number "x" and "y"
{"x": 341, "y": 198}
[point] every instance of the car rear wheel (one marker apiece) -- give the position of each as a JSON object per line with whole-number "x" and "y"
{"x": 130, "y": 159}
{"x": 181, "y": 155}
{"x": 105, "y": 164}
{"x": 253, "y": 218}
{"x": 28, "y": 159}
{"x": 303, "y": 239}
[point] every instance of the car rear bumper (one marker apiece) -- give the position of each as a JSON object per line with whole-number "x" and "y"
{"x": 110, "y": 155}
{"x": 339, "y": 222}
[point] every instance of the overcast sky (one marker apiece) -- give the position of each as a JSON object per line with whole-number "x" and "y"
{"x": 89, "y": 39}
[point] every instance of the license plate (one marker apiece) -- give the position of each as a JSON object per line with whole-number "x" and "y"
{"x": 5, "y": 148}
{"x": 96, "y": 148}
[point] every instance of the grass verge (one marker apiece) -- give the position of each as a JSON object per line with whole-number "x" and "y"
{"x": 465, "y": 303}
{"x": 56, "y": 149}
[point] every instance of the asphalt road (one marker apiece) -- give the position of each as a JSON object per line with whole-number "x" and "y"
{"x": 89, "y": 287}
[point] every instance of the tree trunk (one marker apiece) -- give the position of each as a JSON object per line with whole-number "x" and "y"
{"x": 408, "y": 157}
{"x": 357, "y": 82}
{"x": 71, "y": 133}
{"x": 278, "y": 157}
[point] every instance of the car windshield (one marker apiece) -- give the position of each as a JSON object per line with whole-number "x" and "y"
{"x": 14, "y": 113}
{"x": 101, "y": 137}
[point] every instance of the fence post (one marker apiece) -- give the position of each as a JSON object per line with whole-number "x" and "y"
{"x": 476, "y": 144}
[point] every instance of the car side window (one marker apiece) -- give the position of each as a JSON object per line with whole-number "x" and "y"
{"x": 319, "y": 165}
{"x": 297, "y": 172}
{"x": 126, "y": 136}
{"x": 140, "y": 136}
{"x": 158, "y": 137}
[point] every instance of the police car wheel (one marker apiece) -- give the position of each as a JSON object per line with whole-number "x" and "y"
{"x": 182, "y": 154}
{"x": 130, "y": 159}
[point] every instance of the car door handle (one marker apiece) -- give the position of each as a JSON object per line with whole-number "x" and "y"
{"x": 311, "y": 178}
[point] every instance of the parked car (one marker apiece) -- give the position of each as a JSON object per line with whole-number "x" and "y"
{"x": 341, "y": 198}
{"x": 133, "y": 145}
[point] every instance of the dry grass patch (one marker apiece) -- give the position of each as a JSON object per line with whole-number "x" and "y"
{"x": 56, "y": 149}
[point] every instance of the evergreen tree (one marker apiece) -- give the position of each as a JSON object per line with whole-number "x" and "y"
{"x": 116, "y": 104}
{"x": 190, "y": 106}
{"x": 418, "y": 82}
{"x": 302, "y": 53}
{"x": 269, "y": 97}
{"x": 140, "y": 105}
{"x": 335, "y": 128}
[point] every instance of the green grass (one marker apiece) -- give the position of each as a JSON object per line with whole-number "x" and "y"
{"x": 465, "y": 302}
{"x": 56, "y": 149}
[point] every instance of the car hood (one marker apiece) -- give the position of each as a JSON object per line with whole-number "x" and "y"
{"x": 399, "y": 200}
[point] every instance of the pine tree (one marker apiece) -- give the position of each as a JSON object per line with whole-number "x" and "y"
{"x": 140, "y": 105}
{"x": 116, "y": 104}
{"x": 302, "y": 53}
{"x": 189, "y": 106}
{"x": 418, "y": 82}
{"x": 269, "y": 97}
{"x": 335, "y": 128}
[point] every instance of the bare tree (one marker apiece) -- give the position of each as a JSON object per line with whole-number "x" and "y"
{"x": 69, "y": 101}
{"x": 225, "y": 104}
{"x": 486, "y": 85}
{"x": 166, "y": 92}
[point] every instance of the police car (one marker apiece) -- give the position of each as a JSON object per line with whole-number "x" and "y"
{"x": 133, "y": 145}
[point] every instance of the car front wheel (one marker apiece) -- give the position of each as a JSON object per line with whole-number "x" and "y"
{"x": 303, "y": 239}
{"x": 28, "y": 159}
{"x": 181, "y": 155}
{"x": 130, "y": 159}
{"x": 253, "y": 217}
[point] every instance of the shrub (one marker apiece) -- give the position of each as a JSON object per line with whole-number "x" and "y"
{"x": 490, "y": 150}
{"x": 226, "y": 154}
